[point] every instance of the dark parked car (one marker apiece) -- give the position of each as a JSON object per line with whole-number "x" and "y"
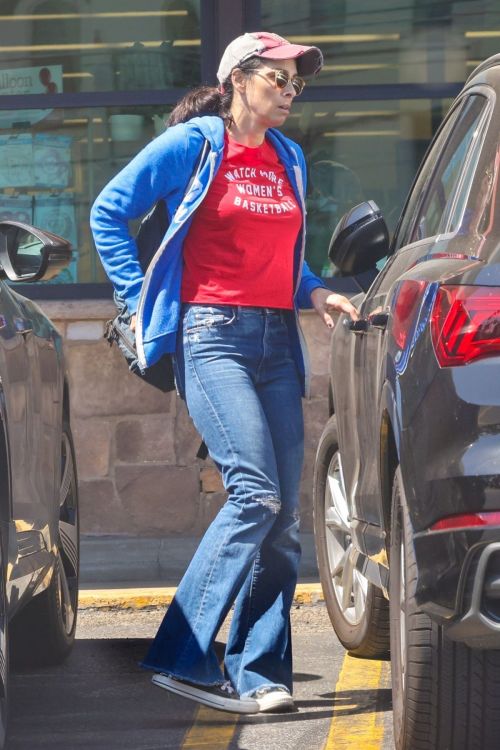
{"x": 407, "y": 476}
{"x": 39, "y": 548}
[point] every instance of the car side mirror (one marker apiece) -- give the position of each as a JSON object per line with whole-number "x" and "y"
{"x": 30, "y": 254}
{"x": 360, "y": 239}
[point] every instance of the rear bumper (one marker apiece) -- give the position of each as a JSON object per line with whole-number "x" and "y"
{"x": 479, "y": 625}
{"x": 450, "y": 459}
{"x": 458, "y": 583}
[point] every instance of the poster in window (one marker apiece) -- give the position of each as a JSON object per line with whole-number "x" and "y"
{"x": 16, "y": 165}
{"x": 56, "y": 213}
{"x": 16, "y": 208}
{"x": 45, "y": 79}
{"x": 52, "y": 160}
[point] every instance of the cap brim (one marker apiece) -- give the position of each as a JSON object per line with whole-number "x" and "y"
{"x": 309, "y": 59}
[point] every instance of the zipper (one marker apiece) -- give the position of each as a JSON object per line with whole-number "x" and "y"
{"x": 302, "y": 341}
{"x": 300, "y": 185}
{"x": 140, "y": 308}
{"x": 126, "y": 341}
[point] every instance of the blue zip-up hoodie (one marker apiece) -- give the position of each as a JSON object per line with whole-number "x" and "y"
{"x": 163, "y": 169}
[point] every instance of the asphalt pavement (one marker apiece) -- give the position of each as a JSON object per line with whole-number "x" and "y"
{"x": 100, "y": 699}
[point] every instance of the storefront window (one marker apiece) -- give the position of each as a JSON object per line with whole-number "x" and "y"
{"x": 57, "y": 159}
{"x": 358, "y": 151}
{"x": 54, "y": 164}
{"x": 390, "y": 41}
{"x": 68, "y": 46}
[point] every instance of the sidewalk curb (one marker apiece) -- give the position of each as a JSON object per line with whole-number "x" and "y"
{"x": 161, "y": 596}
{"x": 114, "y": 561}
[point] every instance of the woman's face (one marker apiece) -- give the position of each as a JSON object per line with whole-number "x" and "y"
{"x": 269, "y": 104}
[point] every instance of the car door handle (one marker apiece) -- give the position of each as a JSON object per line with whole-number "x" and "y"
{"x": 379, "y": 320}
{"x": 357, "y": 326}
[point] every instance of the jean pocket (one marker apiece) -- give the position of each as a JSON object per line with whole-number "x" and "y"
{"x": 200, "y": 318}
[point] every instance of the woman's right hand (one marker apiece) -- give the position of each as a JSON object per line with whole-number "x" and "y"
{"x": 132, "y": 322}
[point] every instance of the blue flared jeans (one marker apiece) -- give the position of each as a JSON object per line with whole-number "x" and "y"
{"x": 243, "y": 393}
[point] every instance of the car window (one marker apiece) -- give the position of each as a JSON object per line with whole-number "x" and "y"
{"x": 417, "y": 193}
{"x": 454, "y": 217}
{"x": 454, "y": 170}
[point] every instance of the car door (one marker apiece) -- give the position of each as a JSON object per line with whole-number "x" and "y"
{"x": 44, "y": 417}
{"x": 430, "y": 200}
{"x": 24, "y": 515}
{"x": 16, "y": 385}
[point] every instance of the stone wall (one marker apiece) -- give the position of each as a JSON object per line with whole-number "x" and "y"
{"x": 136, "y": 447}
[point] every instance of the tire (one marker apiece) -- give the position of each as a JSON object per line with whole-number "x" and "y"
{"x": 445, "y": 695}
{"x": 358, "y": 610}
{"x": 43, "y": 632}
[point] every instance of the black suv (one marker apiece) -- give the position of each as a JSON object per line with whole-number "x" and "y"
{"x": 407, "y": 475}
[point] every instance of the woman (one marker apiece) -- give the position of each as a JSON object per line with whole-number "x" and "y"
{"x": 221, "y": 293}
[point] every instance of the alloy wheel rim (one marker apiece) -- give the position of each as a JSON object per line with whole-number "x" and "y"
{"x": 349, "y": 585}
{"x": 67, "y": 570}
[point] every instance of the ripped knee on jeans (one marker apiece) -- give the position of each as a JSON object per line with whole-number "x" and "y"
{"x": 271, "y": 502}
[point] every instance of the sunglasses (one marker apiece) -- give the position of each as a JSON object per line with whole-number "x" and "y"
{"x": 281, "y": 79}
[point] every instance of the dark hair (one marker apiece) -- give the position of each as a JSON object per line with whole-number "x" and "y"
{"x": 209, "y": 100}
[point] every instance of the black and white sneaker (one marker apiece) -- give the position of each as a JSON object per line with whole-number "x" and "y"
{"x": 222, "y": 697}
{"x": 273, "y": 699}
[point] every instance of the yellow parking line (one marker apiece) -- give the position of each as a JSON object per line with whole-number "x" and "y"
{"x": 209, "y": 733}
{"x": 356, "y": 722}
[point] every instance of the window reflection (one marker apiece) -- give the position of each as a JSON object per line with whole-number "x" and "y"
{"x": 434, "y": 216}
{"x": 56, "y": 161}
{"x": 52, "y": 171}
{"x": 150, "y": 44}
{"x": 358, "y": 151}
{"x": 379, "y": 42}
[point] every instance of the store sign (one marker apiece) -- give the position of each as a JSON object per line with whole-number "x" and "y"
{"x": 45, "y": 79}
{"x": 39, "y": 80}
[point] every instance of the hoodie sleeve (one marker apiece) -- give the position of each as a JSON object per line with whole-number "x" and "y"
{"x": 308, "y": 282}
{"x": 154, "y": 173}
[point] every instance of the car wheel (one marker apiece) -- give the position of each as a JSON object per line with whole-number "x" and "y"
{"x": 44, "y": 631}
{"x": 445, "y": 695}
{"x": 358, "y": 610}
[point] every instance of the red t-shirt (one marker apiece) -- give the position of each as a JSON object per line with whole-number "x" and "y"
{"x": 239, "y": 248}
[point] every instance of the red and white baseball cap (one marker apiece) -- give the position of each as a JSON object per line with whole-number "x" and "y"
{"x": 269, "y": 47}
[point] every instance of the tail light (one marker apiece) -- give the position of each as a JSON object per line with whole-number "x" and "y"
{"x": 406, "y": 306}
{"x": 465, "y": 324}
{"x": 467, "y": 520}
